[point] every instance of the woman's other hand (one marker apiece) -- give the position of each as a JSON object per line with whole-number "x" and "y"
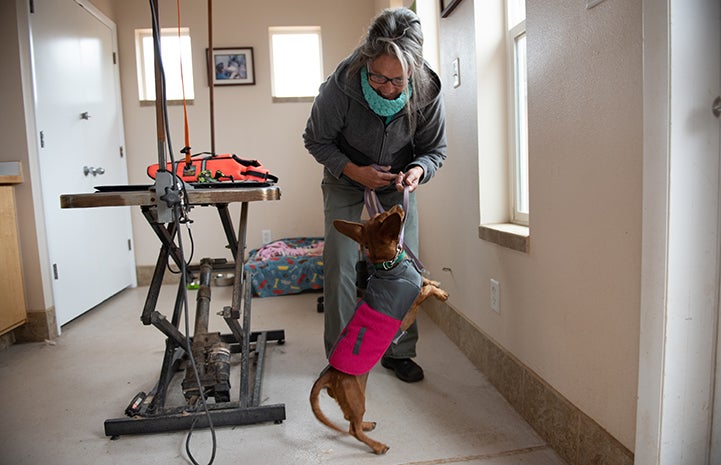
{"x": 409, "y": 179}
{"x": 371, "y": 176}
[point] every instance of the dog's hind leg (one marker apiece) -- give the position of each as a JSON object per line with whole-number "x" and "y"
{"x": 362, "y": 381}
{"x": 353, "y": 405}
{"x": 378, "y": 447}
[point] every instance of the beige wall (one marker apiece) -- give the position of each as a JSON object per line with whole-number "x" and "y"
{"x": 247, "y": 122}
{"x": 570, "y": 307}
{"x": 107, "y": 7}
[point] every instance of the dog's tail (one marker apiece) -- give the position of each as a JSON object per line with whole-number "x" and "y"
{"x": 322, "y": 382}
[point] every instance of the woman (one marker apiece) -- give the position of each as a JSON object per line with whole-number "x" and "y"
{"x": 377, "y": 123}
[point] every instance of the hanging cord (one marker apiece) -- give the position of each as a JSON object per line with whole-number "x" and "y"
{"x": 180, "y": 215}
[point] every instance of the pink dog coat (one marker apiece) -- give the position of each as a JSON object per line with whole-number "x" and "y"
{"x": 377, "y": 318}
{"x": 364, "y": 341}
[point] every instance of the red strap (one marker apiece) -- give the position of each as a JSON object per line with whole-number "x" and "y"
{"x": 185, "y": 150}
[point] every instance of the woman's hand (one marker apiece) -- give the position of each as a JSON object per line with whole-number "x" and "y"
{"x": 410, "y": 178}
{"x": 373, "y": 177}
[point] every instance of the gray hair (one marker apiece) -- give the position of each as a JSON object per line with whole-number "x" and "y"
{"x": 397, "y": 32}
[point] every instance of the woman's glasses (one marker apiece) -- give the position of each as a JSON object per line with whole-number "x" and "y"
{"x": 380, "y": 79}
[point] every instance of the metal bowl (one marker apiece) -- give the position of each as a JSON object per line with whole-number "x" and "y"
{"x": 224, "y": 279}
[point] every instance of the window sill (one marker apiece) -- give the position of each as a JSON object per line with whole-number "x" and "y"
{"x": 511, "y": 236}
{"x": 293, "y": 99}
{"x": 151, "y": 103}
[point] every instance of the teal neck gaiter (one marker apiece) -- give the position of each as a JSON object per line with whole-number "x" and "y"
{"x": 380, "y": 105}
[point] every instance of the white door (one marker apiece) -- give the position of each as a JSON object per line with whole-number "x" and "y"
{"x": 79, "y": 120}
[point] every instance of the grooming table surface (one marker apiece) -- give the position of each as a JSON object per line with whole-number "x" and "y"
{"x": 147, "y": 197}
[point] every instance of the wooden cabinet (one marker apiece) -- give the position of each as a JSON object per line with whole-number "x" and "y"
{"x": 12, "y": 302}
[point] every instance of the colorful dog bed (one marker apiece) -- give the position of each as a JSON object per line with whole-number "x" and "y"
{"x": 287, "y": 266}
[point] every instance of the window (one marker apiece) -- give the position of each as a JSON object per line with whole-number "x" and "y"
{"x": 296, "y": 66}
{"x": 175, "y": 49}
{"x": 516, "y": 40}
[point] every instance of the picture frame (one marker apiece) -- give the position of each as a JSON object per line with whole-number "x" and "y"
{"x": 447, "y": 7}
{"x": 231, "y": 66}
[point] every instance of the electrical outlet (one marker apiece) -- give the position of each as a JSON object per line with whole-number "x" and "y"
{"x": 267, "y": 237}
{"x": 495, "y": 296}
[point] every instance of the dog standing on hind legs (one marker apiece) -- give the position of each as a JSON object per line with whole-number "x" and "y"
{"x": 394, "y": 292}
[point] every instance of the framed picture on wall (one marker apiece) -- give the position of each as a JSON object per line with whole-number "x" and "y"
{"x": 447, "y": 7}
{"x": 232, "y": 66}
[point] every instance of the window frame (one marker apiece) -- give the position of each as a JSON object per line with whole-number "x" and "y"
{"x": 281, "y": 30}
{"x": 518, "y": 138}
{"x": 145, "y": 92}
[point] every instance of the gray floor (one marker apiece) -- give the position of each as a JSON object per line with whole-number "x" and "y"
{"x": 56, "y": 397}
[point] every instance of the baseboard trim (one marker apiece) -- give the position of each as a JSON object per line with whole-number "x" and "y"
{"x": 577, "y": 438}
{"x": 145, "y": 276}
{"x": 40, "y": 326}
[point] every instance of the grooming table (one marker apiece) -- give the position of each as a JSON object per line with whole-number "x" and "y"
{"x": 147, "y": 413}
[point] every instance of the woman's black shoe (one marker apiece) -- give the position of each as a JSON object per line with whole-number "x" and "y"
{"x": 405, "y": 369}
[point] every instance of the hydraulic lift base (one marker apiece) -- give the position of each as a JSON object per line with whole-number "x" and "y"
{"x": 221, "y": 415}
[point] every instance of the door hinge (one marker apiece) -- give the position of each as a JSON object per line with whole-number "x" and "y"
{"x": 130, "y": 246}
{"x": 121, "y": 152}
{"x": 32, "y": 6}
{"x": 115, "y": 59}
{"x": 42, "y": 140}
{"x": 55, "y": 271}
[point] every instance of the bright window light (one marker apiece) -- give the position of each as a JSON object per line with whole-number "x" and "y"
{"x": 175, "y": 49}
{"x": 519, "y": 121}
{"x": 296, "y": 64}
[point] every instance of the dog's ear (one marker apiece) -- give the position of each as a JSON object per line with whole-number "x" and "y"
{"x": 350, "y": 229}
{"x": 391, "y": 227}
{"x": 397, "y": 209}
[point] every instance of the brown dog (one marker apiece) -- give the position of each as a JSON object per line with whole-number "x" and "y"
{"x": 379, "y": 236}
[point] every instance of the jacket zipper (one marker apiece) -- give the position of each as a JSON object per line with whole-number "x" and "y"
{"x": 383, "y": 144}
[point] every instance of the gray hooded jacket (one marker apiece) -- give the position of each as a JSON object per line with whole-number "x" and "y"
{"x": 342, "y": 127}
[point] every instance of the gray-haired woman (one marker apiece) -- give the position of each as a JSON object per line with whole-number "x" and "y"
{"x": 377, "y": 123}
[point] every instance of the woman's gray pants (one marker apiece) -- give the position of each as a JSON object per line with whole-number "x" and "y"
{"x": 343, "y": 200}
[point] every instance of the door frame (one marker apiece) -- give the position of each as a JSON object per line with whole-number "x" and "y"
{"x": 680, "y": 250}
{"x": 39, "y": 259}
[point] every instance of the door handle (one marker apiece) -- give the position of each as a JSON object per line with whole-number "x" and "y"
{"x": 94, "y": 171}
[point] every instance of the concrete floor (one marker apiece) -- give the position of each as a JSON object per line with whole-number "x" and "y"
{"x": 57, "y": 395}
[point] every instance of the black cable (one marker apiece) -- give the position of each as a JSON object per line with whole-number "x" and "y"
{"x": 180, "y": 215}
{"x": 188, "y": 349}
